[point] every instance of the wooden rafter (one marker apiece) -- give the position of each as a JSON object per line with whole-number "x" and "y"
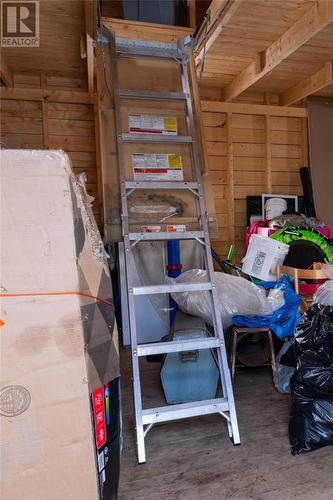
{"x": 219, "y": 14}
{"x": 6, "y": 75}
{"x": 311, "y": 23}
{"x": 319, "y": 80}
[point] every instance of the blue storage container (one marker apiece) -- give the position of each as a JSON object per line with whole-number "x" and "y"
{"x": 191, "y": 375}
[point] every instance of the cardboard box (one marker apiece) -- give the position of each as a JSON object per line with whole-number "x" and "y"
{"x": 58, "y": 348}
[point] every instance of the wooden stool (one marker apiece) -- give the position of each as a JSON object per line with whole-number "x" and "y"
{"x": 236, "y": 331}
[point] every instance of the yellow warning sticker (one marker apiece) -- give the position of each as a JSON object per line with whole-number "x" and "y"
{"x": 175, "y": 161}
{"x": 170, "y": 124}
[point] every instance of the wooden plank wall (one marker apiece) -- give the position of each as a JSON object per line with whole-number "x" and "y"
{"x": 55, "y": 125}
{"x": 250, "y": 154}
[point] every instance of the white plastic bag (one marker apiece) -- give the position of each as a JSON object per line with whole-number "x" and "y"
{"x": 324, "y": 294}
{"x": 236, "y": 296}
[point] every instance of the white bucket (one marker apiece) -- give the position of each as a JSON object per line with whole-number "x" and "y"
{"x": 262, "y": 257}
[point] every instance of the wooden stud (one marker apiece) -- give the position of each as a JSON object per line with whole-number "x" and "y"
{"x": 311, "y": 23}
{"x": 83, "y": 45}
{"x": 319, "y": 80}
{"x": 100, "y": 193}
{"x": 198, "y": 114}
{"x": 252, "y": 109}
{"x": 231, "y": 190}
{"x": 305, "y": 141}
{"x": 268, "y": 154}
{"x": 48, "y": 95}
{"x": 6, "y": 75}
{"x": 45, "y": 117}
{"x": 191, "y": 13}
{"x": 90, "y": 15}
{"x": 90, "y": 62}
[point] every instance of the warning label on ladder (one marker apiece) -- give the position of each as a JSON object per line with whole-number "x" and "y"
{"x": 153, "y": 167}
{"x": 152, "y": 124}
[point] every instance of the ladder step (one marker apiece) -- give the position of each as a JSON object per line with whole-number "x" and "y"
{"x": 144, "y": 48}
{"x": 179, "y": 287}
{"x": 180, "y": 235}
{"x": 178, "y": 346}
{"x": 151, "y": 94}
{"x": 160, "y": 185}
{"x": 185, "y": 410}
{"x": 174, "y": 139}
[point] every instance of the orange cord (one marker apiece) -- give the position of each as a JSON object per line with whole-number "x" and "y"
{"x": 38, "y": 294}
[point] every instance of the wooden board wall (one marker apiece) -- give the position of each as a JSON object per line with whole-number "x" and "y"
{"x": 250, "y": 154}
{"x": 55, "y": 125}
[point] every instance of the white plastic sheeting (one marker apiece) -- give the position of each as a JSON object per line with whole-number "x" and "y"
{"x": 236, "y": 296}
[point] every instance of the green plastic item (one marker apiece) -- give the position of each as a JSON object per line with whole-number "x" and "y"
{"x": 231, "y": 252}
{"x": 289, "y": 234}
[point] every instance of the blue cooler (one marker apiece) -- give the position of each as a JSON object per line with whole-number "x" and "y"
{"x": 191, "y": 375}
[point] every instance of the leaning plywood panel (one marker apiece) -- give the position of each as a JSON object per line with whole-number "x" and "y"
{"x": 321, "y": 152}
{"x": 145, "y": 74}
{"x": 58, "y": 338}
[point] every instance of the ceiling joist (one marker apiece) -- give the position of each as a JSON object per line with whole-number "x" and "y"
{"x": 311, "y": 23}
{"x": 319, "y": 80}
{"x": 218, "y": 16}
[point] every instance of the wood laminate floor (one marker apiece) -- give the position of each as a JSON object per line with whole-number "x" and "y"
{"x": 194, "y": 459}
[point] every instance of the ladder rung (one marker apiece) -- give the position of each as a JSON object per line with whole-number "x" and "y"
{"x": 174, "y": 139}
{"x": 160, "y": 185}
{"x": 178, "y": 287}
{"x": 180, "y": 235}
{"x": 151, "y": 94}
{"x": 185, "y": 410}
{"x": 147, "y": 52}
{"x": 178, "y": 346}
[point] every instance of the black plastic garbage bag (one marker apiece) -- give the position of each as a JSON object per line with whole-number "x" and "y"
{"x": 314, "y": 374}
{"x": 311, "y": 424}
{"x": 316, "y": 332}
{"x": 311, "y": 420}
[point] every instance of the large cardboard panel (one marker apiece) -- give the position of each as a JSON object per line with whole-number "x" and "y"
{"x": 57, "y": 346}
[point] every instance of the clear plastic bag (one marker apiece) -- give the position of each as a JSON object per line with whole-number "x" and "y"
{"x": 324, "y": 294}
{"x": 236, "y": 296}
{"x": 283, "y": 373}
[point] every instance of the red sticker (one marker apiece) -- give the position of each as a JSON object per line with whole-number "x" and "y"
{"x": 99, "y": 417}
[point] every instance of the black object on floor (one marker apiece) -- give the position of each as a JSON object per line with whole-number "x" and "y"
{"x": 311, "y": 421}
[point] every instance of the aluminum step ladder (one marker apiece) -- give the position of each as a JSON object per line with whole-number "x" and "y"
{"x": 146, "y": 418}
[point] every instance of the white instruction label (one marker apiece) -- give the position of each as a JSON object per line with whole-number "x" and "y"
{"x": 161, "y": 167}
{"x": 176, "y": 228}
{"x": 152, "y": 124}
{"x": 151, "y": 229}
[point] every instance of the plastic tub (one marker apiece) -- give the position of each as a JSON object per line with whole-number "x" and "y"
{"x": 262, "y": 257}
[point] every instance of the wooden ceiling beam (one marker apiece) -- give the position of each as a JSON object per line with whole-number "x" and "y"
{"x": 6, "y": 75}
{"x": 219, "y": 14}
{"x": 311, "y": 23}
{"x": 319, "y": 80}
{"x": 47, "y": 95}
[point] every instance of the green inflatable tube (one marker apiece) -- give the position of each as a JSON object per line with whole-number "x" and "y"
{"x": 289, "y": 234}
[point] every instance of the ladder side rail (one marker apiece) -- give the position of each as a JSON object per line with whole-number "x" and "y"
{"x": 127, "y": 252}
{"x": 217, "y": 321}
